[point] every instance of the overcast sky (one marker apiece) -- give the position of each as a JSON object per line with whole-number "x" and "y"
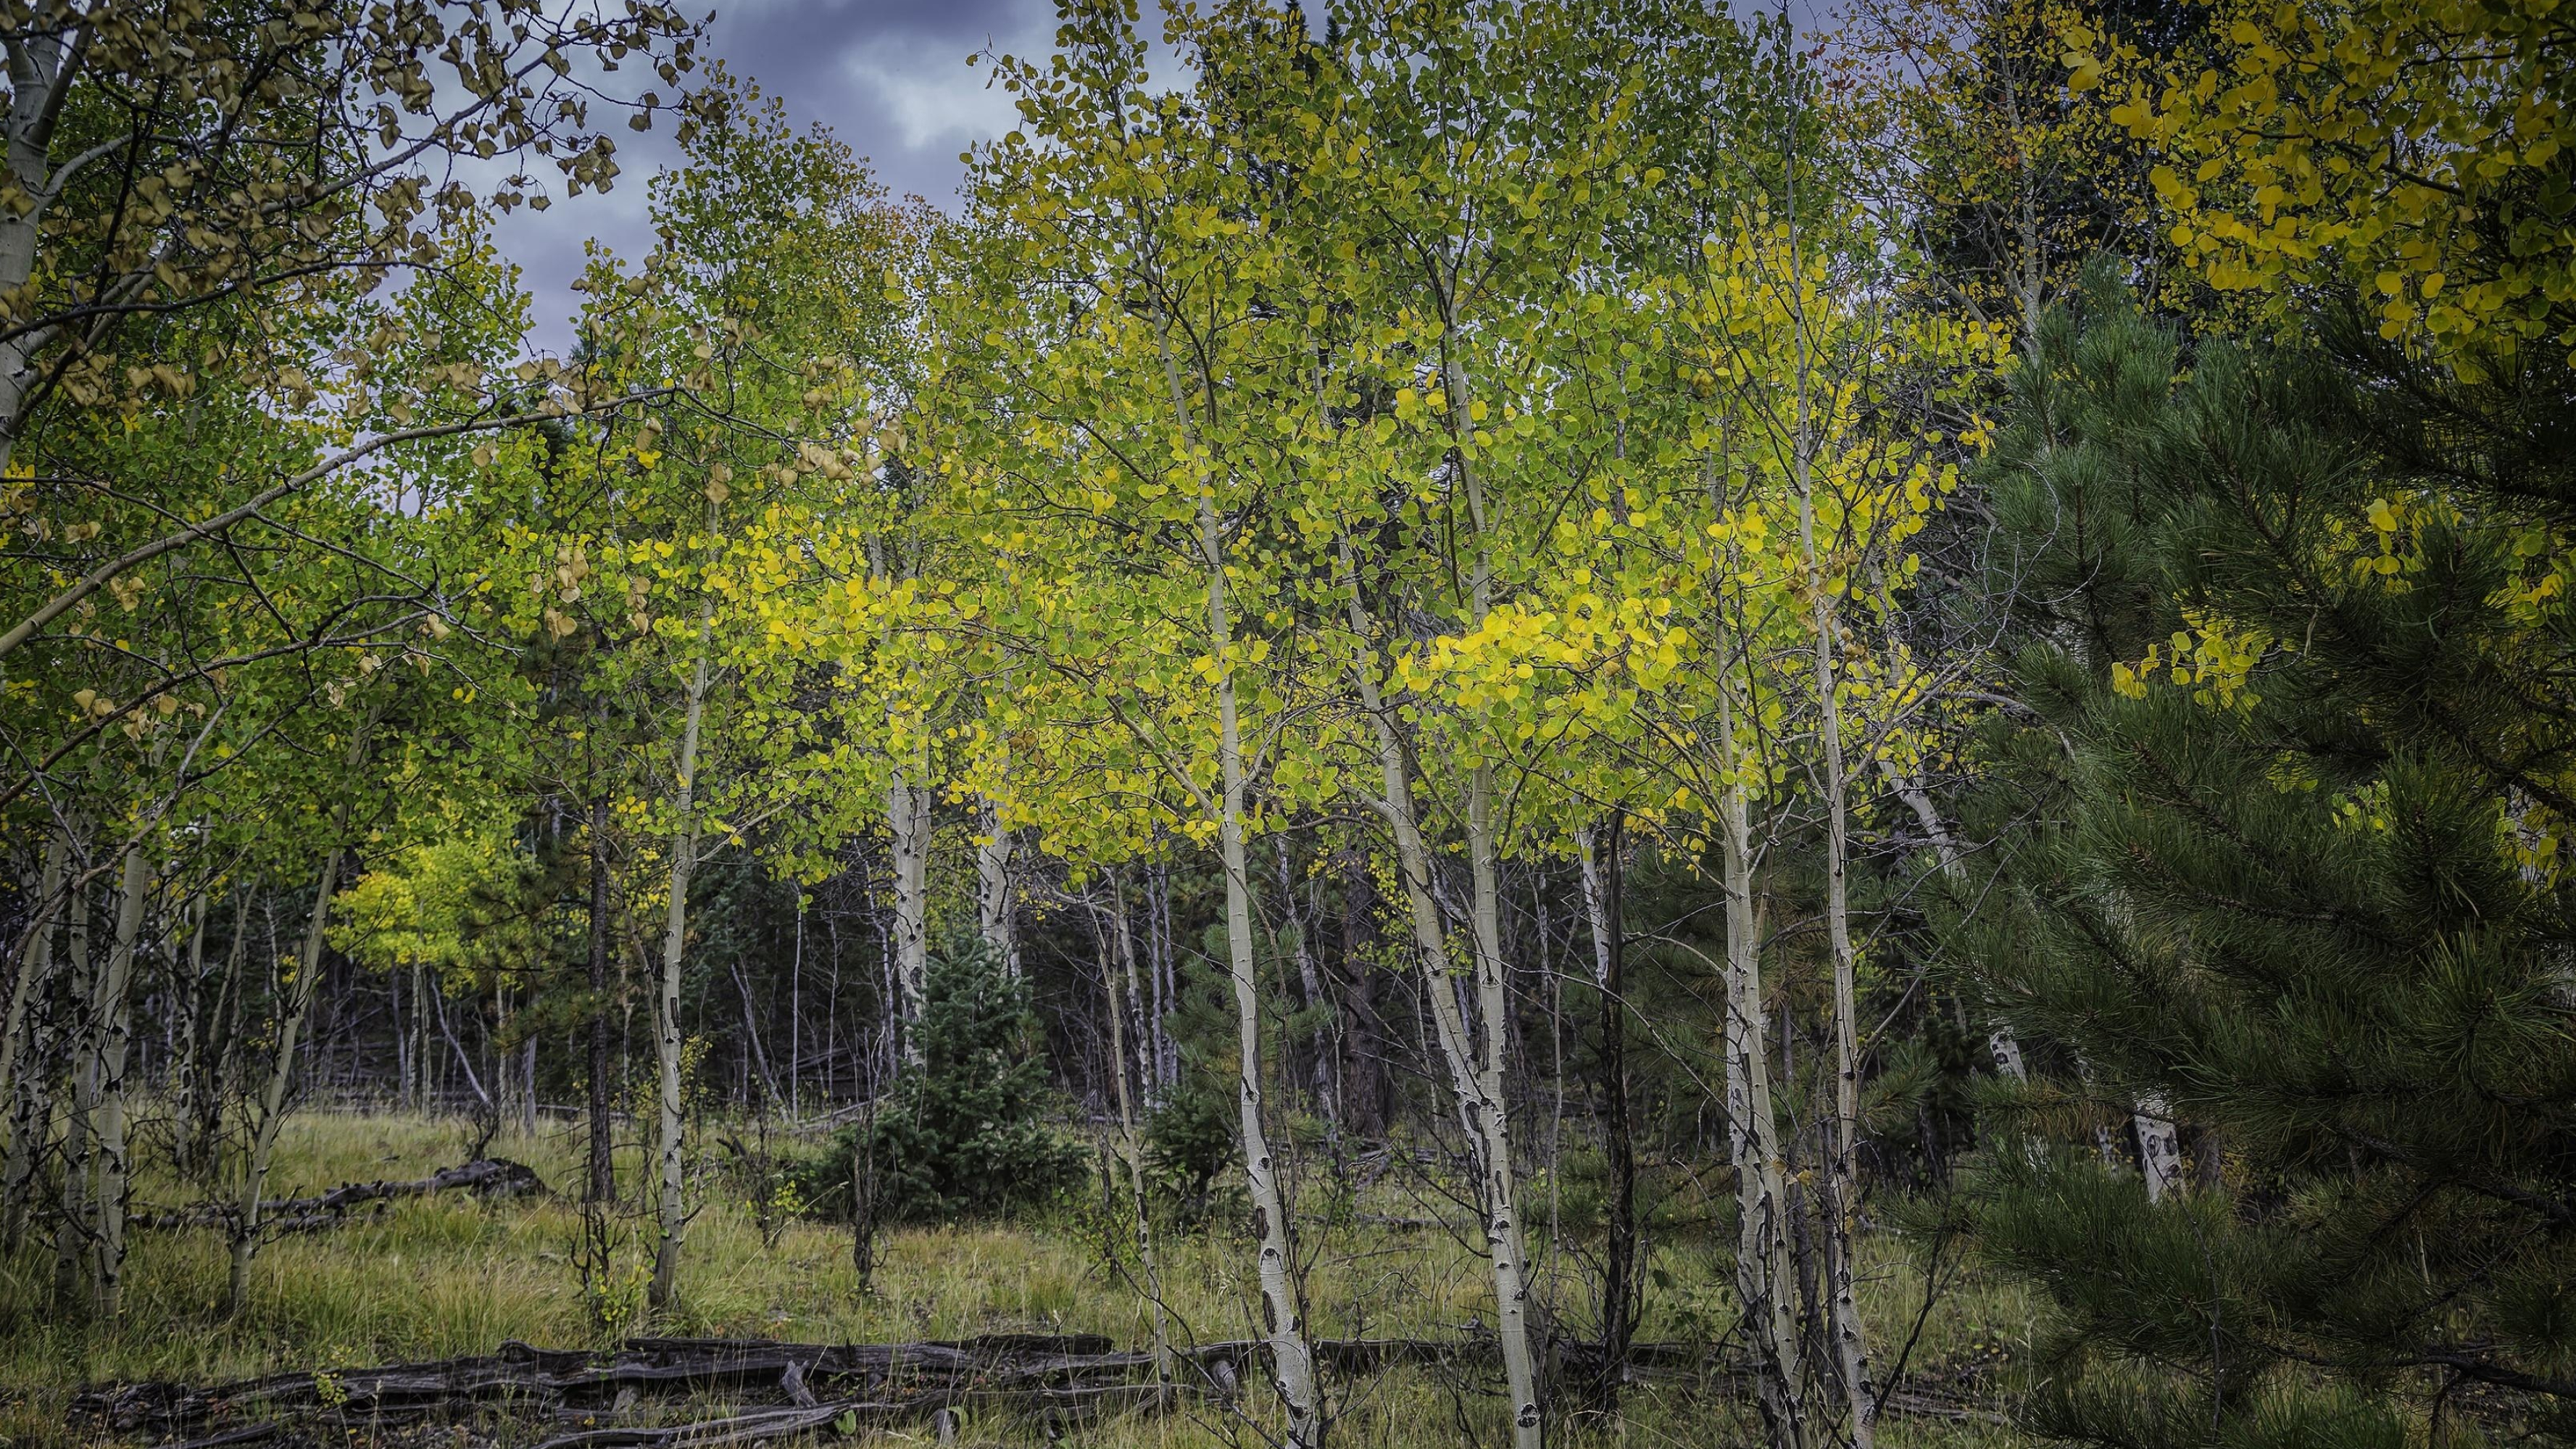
{"x": 888, "y": 76}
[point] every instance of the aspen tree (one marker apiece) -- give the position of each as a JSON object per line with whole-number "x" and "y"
{"x": 1135, "y": 186}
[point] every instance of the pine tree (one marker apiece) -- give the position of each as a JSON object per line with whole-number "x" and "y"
{"x": 2276, "y": 826}
{"x": 965, "y": 1131}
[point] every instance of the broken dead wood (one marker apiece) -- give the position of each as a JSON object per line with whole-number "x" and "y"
{"x": 543, "y": 1380}
{"x": 775, "y": 1390}
{"x": 485, "y": 1177}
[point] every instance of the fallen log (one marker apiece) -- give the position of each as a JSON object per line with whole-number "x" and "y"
{"x": 805, "y": 1385}
{"x": 484, "y": 1177}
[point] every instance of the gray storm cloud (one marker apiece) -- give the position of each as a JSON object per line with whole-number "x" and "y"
{"x": 889, "y": 77}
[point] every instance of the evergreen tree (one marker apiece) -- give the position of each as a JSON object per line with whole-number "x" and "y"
{"x": 965, "y": 1131}
{"x": 2276, "y": 833}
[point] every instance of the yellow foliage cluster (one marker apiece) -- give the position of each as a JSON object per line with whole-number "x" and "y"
{"x": 2212, "y": 656}
{"x": 2416, "y": 149}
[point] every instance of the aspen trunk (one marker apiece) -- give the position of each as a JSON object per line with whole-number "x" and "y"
{"x": 1503, "y": 1231}
{"x": 2159, "y": 1148}
{"x": 1310, "y": 980}
{"x": 272, "y": 1097}
{"x": 528, "y": 1085}
{"x": 35, "y": 960}
{"x": 1842, "y": 1163}
{"x": 113, "y": 1016}
{"x": 2001, "y": 1044}
{"x": 1603, "y": 888}
{"x": 602, "y": 1186}
{"x": 796, "y": 1018}
{"x": 908, "y": 828}
{"x": 1493, "y": 1004}
{"x": 502, "y": 1101}
{"x": 1764, "y": 1277}
{"x": 993, "y": 921}
{"x": 205, "y": 1090}
{"x": 23, "y": 1094}
{"x": 402, "y": 1033}
{"x": 41, "y": 69}
{"x": 31, "y": 1108}
{"x": 416, "y": 1082}
{"x": 673, "y": 1211}
{"x": 71, "y": 1232}
{"x": 908, "y": 822}
{"x": 188, "y": 1006}
{"x": 1131, "y": 1147}
{"x": 1292, "y": 1359}
{"x": 1475, "y": 1066}
{"x": 1147, "y": 1064}
{"x": 1167, "y": 982}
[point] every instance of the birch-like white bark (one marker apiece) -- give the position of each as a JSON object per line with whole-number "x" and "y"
{"x": 298, "y": 1004}
{"x": 1292, "y": 1360}
{"x": 1765, "y": 1280}
{"x": 42, "y": 70}
{"x": 1147, "y": 1064}
{"x": 908, "y": 830}
{"x": 188, "y": 1010}
{"x": 2001, "y": 1044}
{"x": 2159, "y": 1147}
{"x": 908, "y": 827}
{"x": 993, "y": 918}
{"x": 1475, "y": 1065}
{"x": 1310, "y": 980}
{"x": 113, "y": 1015}
{"x": 35, "y": 958}
{"x": 673, "y": 1214}
{"x": 71, "y": 1229}
{"x": 1842, "y": 1165}
{"x": 1131, "y": 1147}
{"x": 1596, "y": 900}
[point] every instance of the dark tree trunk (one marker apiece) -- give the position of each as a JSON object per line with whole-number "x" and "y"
{"x": 1364, "y": 1080}
{"x": 1618, "y": 1271}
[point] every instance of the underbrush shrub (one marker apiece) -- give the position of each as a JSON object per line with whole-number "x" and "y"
{"x": 1193, "y": 1162}
{"x": 1189, "y": 1144}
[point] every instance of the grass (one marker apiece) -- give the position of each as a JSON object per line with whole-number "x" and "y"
{"x": 436, "y": 1277}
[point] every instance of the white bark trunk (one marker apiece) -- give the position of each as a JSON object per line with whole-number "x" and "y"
{"x": 673, "y": 1208}
{"x": 1291, "y": 1357}
{"x": 188, "y": 1009}
{"x": 2159, "y": 1148}
{"x": 115, "y": 1023}
{"x": 1842, "y": 1167}
{"x": 41, "y": 72}
{"x": 71, "y": 1234}
{"x": 298, "y": 1003}
{"x": 993, "y": 920}
{"x": 908, "y": 825}
{"x": 1310, "y": 981}
{"x": 35, "y": 958}
{"x": 1475, "y": 1066}
{"x": 1596, "y": 901}
{"x": 1503, "y": 1232}
{"x": 1148, "y": 1063}
{"x": 1292, "y": 1360}
{"x": 1131, "y": 1147}
{"x": 909, "y": 800}
{"x": 1765, "y": 1281}
{"x": 2001, "y": 1044}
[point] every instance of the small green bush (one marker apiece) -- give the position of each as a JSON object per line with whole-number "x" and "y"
{"x": 1189, "y": 1144}
{"x": 964, "y": 1132}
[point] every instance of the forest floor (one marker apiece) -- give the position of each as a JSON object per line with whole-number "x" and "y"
{"x": 451, "y": 1275}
